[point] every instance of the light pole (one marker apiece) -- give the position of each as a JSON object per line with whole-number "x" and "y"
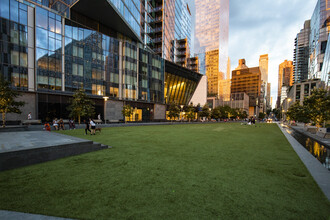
{"x": 105, "y": 108}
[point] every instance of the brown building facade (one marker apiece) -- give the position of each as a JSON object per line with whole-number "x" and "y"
{"x": 247, "y": 80}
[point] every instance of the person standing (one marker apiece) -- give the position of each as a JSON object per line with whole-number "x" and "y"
{"x": 92, "y": 123}
{"x": 30, "y": 116}
{"x": 86, "y": 127}
{"x": 99, "y": 116}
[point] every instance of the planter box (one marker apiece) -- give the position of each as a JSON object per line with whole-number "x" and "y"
{"x": 312, "y": 129}
{"x": 323, "y": 133}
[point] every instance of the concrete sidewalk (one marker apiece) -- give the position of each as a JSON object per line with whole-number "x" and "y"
{"x": 320, "y": 174}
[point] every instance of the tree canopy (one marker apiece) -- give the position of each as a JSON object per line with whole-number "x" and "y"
{"x": 173, "y": 111}
{"x": 8, "y": 104}
{"x": 81, "y": 105}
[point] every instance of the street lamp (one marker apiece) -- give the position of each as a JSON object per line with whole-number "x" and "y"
{"x": 181, "y": 113}
{"x": 105, "y": 108}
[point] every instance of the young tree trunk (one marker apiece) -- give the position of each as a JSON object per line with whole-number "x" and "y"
{"x": 4, "y": 119}
{"x": 79, "y": 119}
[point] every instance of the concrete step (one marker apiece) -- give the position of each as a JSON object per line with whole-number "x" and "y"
{"x": 20, "y": 158}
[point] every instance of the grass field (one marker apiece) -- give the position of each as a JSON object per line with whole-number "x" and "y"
{"x": 204, "y": 171}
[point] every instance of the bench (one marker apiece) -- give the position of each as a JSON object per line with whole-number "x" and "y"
{"x": 31, "y": 122}
{"x": 98, "y": 121}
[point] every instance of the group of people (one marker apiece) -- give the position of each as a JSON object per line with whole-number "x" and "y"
{"x": 90, "y": 126}
{"x": 59, "y": 125}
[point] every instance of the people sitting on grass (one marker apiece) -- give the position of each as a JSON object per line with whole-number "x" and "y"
{"x": 47, "y": 126}
{"x": 55, "y": 124}
{"x": 61, "y": 124}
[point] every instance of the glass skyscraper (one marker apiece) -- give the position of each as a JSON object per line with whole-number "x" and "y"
{"x": 48, "y": 53}
{"x": 211, "y": 37}
{"x": 320, "y": 28}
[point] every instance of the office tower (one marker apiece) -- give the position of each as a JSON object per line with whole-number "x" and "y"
{"x": 320, "y": 28}
{"x": 212, "y": 72}
{"x": 97, "y": 46}
{"x": 211, "y": 34}
{"x": 268, "y": 101}
{"x": 228, "y": 69}
{"x": 263, "y": 65}
{"x": 248, "y": 80}
{"x": 170, "y": 30}
{"x": 301, "y": 53}
{"x": 285, "y": 78}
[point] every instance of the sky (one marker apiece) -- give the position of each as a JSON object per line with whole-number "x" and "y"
{"x": 259, "y": 27}
{"x": 266, "y": 27}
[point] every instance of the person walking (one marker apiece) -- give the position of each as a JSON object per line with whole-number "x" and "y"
{"x": 92, "y": 123}
{"x": 30, "y": 116}
{"x": 71, "y": 124}
{"x": 86, "y": 127}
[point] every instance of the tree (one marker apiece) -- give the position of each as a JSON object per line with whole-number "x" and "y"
{"x": 215, "y": 113}
{"x": 261, "y": 115}
{"x": 205, "y": 111}
{"x": 297, "y": 112}
{"x": 127, "y": 111}
{"x": 243, "y": 115}
{"x": 81, "y": 106}
{"x": 7, "y": 100}
{"x": 173, "y": 111}
{"x": 317, "y": 106}
{"x": 190, "y": 112}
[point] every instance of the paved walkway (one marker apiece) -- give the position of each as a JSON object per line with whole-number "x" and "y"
{"x": 320, "y": 174}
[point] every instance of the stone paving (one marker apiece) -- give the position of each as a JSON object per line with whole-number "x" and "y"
{"x": 14, "y": 141}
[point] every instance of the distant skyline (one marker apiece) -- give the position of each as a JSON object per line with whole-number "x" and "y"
{"x": 265, "y": 27}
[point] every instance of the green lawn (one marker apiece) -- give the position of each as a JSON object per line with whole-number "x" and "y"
{"x": 204, "y": 171}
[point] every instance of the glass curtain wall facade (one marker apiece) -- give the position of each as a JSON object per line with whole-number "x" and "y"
{"x": 14, "y": 43}
{"x": 180, "y": 84}
{"x": 320, "y": 28}
{"x": 301, "y": 54}
{"x": 212, "y": 32}
{"x": 70, "y": 56}
{"x": 326, "y": 67}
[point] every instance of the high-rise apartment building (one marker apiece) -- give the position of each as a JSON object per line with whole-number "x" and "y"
{"x": 211, "y": 34}
{"x": 247, "y": 80}
{"x": 320, "y": 28}
{"x": 301, "y": 53}
{"x": 170, "y": 30}
{"x": 285, "y": 78}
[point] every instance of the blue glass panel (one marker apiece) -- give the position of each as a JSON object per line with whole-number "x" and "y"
{"x": 68, "y": 31}
{"x": 23, "y": 6}
{"x": 41, "y": 17}
{"x": 23, "y": 17}
{"x": 4, "y": 8}
{"x": 41, "y": 38}
{"x": 14, "y": 10}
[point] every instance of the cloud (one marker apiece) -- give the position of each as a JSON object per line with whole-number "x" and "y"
{"x": 266, "y": 26}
